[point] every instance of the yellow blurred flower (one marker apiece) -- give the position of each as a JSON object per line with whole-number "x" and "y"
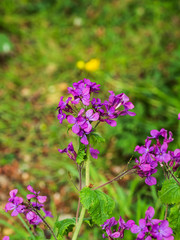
{"x": 92, "y": 65}
{"x": 80, "y": 64}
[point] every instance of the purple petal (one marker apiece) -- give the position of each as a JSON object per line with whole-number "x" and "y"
{"x": 150, "y": 181}
{"x": 164, "y": 147}
{"x": 86, "y": 101}
{"x": 115, "y": 234}
{"x": 71, "y": 119}
{"x": 135, "y": 229}
{"x": 63, "y": 150}
{"x": 129, "y": 224}
{"x": 84, "y": 140}
{"x": 94, "y": 152}
{"x": 142, "y": 223}
{"x": 164, "y": 229}
{"x": 29, "y": 196}
{"x": 9, "y": 206}
{"x": 88, "y": 128}
{"x": 89, "y": 113}
{"x": 112, "y": 123}
{"x": 5, "y": 238}
{"x": 150, "y": 213}
{"x": 70, "y": 147}
{"x": 179, "y": 116}
{"x": 75, "y": 128}
{"x": 13, "y": 193}
{"x": 41, "y": 199}
{"x": 154, "y": 133}
{"x": 75, "y": 101}
{"x": 94, "y": 117}
{"x": 14, "y": 213}
{"x": 30, "y": 188}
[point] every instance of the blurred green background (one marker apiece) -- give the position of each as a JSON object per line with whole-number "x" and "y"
{"x": 138, "y": 45}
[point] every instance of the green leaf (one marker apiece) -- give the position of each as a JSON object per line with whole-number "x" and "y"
{"x": 81, "y": 155}
{"x": 65, "y": 226}
{"x": 98, "y": 204}
{"x": 97, "y": 138}
{"x": 170, "y": 192}
{"x": 174, "y": 218}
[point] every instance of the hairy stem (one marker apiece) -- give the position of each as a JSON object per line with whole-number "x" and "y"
{"x": 172, "y": 175}
{"x": 83, "y": 210}
{"x": 80, "y": 187}
{"x": 132, "y": 170}
{"x": 44, "y": 221}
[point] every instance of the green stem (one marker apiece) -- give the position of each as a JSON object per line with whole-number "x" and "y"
{"x": 26, "y": 226}
{"x": 83, "y": 210}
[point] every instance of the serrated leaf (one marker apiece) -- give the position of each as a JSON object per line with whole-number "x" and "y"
{"x": 98, "y": 204}
{"x": 174, "y": 218}
{"x": 170, "y": 192}
{"x": 81, "y": 155}
{"x": 96, "y": 138}
{"x": 65, "y": 226}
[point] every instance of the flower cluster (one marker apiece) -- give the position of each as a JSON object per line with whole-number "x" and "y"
{"x": 154, "y": 154}
{"x": 85, "y": 112}
{"x": 147, "y": 229}
{"x": 29, "y": 209}
{"x": 89, "y": 66}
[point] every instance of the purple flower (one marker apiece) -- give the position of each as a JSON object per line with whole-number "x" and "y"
{"x": 94, "y": 152}
{"x": 47, "y": 213}
{"x": 33, "y": 218}
{"x": 69, "y": 151}
{"x": 141, "y": 229}
{"x": 84, "y": 122}
{"x": 93, "y": 86}
{"x": 81, "y": 92}
{"x": 145, "y": 149}
{"x": 6, "y": 238}
{"x": 145, "y": 168}
{"x": 179, "y": 116}
{"x": 72, "y": 120}
{"x": 163, "y": 132}
{"x": 162, "y": 231}
{"x": 107, "y": 226}
{"x": 123, "y": 226}
{"x": 64, "y": 106}
{"x": 161, "y": 155}
{"x": 175, "y": 156}
{"x": 15, "y": 205}
{"x": 12, "y": 194}
{"x": 35, "y": 194}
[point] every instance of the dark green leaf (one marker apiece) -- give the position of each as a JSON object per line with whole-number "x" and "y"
{"x": 174, "y": 218}
{"x": 81, "y": 155}
{"x": 170, "y": 192}
{"x": 98, "y": 204}
{"x": 65, "y": 226}
{"x": 96, "y": 138}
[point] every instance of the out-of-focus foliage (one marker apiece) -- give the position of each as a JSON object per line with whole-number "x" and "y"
{"x": 137, "y": 45}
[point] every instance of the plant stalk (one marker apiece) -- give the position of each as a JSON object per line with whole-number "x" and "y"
{"x": 26, "y": 226}
{"x": 83, "y": 210}
{"x": 132, "y": 170}
{"x": 44, "y": 221}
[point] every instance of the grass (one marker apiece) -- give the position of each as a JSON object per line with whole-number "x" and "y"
{"x": 137, "y": 44}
